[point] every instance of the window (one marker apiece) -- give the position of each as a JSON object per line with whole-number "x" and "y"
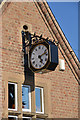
{"x": 26, "y": 98}
{"x": 10, "y": 117}
{"x": 12, "y": 96}
{"x": 39, "y": 100}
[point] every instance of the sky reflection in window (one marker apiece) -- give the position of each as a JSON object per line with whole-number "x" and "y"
{"x": 38, "y": 99}
{"x": 25, "y": 97}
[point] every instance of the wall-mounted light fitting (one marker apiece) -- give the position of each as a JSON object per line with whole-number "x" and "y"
{"x": 61, "y": 64}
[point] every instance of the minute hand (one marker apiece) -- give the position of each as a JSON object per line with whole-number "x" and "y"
{"x": 43, "y": 53}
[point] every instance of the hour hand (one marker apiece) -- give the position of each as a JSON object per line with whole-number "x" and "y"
{"x": 41, "y": 60}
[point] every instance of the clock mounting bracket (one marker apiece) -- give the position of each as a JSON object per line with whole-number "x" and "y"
{"x": 30, "y": 40}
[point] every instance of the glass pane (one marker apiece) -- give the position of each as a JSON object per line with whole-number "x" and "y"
{"x": 12, "y": 118}
{"x": 11, "y": 96}
{"x": 25, "y": 97}
{"x": 38, "y": 99}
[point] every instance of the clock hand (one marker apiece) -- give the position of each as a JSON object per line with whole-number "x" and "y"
{"x": 41, "y": 60}
{"x": 43, "y": 54}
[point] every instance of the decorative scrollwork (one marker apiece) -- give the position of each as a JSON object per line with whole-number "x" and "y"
{"x": 28, "y": 39}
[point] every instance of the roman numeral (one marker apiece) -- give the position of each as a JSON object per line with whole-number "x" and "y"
{"x": 35, "y": 49}
{"x": 39, "y": 47}
{"x": 45, "y": 59}
{"x": 45, "y": 50}
{"x": 36, "y": 65}
{"x": 39, "y": 65}
{"x": 33, "y": 62}
{"x": 46, "y": 54}
{"x": 32, "y": 58}
{"x": 42, "y": 47}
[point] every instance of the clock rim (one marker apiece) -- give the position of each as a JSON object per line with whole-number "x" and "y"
{"x": 47, "y": 63}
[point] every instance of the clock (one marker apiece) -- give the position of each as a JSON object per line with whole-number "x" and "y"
{"x": 40, "y": 57}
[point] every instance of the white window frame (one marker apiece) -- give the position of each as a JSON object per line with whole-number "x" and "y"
{"x": 13, "y": 116}
{"x": 42, "y": 100}
{"x": 15, "y": 96}
{"x": 27, "y": 117}
{"x": 28, "y": 110}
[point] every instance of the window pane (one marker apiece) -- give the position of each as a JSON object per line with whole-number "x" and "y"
{"x": 39, "y": 95}
{"x": 25, "y": 97}
{"x": 12, "y": 118}
{"x": 11, "y": 96}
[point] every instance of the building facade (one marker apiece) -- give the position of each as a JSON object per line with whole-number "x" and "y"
{"x": 51, "y": 95}
{"x": 78, "y": 31}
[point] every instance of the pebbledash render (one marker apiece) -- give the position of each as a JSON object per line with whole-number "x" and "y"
{"x": 54, "y": 94}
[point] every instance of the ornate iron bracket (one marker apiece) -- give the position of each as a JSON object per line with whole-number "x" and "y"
{"x": 28, "y": 39}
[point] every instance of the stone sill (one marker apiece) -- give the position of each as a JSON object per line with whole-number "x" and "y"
{"x": 30, "y": 114}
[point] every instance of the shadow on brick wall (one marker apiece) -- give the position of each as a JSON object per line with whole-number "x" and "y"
{"x": 29, "y": 75}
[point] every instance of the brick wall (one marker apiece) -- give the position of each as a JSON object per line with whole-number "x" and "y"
{"x": 61, "y": 88}
{"x": 1, "y": 80}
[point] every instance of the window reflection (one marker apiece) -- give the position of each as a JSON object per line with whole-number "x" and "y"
{"x": 25, "y": 97}
{"x": 39, "y": 99}
{"x": 11, "y": 96}
{"x": 12, "y": 118}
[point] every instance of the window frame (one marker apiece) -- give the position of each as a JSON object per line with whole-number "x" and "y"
{"x": 41, "y": 88}
{"x": 15, "y": 96}
{"x": 28, "y": 110}
{"x": 27, "y": 117}
{"x": 13, "y": 116}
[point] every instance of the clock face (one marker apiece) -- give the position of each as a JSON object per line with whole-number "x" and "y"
{"x": 39, "y": 56}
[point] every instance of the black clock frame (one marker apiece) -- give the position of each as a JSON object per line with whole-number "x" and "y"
{"x": 29, "y": 56}
{"x": 52, "y": 57}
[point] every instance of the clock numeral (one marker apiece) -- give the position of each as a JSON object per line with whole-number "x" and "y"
{"x": 32, "y": 58}
{"x": 33, "y": 62}
{"x": 45, "y": 50}
{"x": 39, "y": 65}
{"x": 46, "y": 54}
{"x": 36, "y": 65}
{"x": 39, "y": 47}
{"x": 45, "y": 59}
{"x": 35, "y": 49}
{"x": 42, "y": 47}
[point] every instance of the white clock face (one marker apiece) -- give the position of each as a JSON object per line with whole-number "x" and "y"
{"x": 39, "y": 56}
